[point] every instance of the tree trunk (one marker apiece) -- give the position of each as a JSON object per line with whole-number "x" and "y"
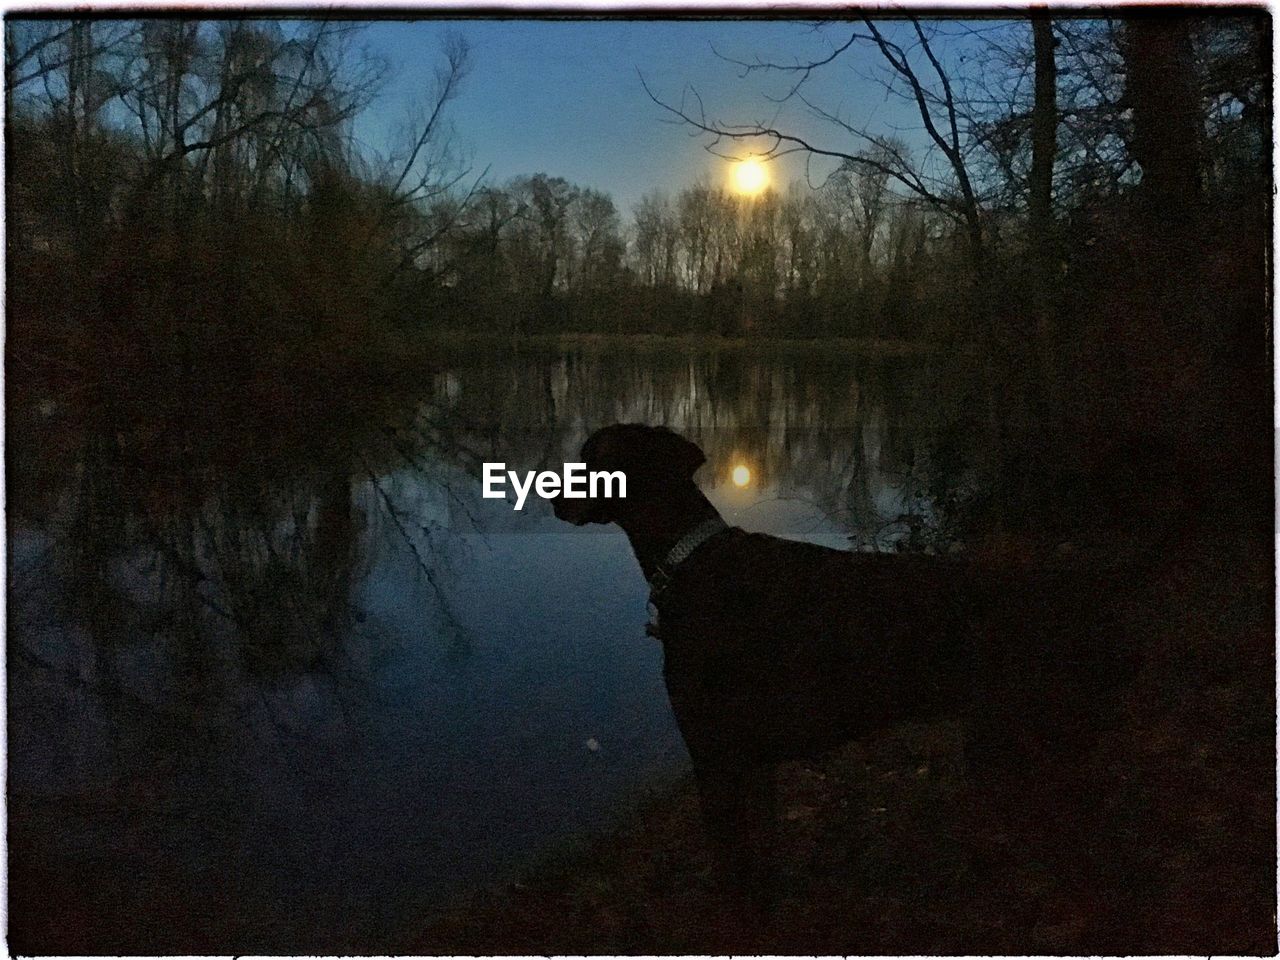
{"x": 1046, "y": 393}
{"x": 1044, "y": 140}
{"x": 1167, "y": 135}
{"x": 1167, "y": 344}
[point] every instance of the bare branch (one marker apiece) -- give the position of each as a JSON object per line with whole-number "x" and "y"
{"x": 805, "y": 69}
{"x": 784, "y": 144}
{"x": 448, "y": 79}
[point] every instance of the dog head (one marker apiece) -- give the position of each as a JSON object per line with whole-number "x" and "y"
{"x": 654, "y": 459}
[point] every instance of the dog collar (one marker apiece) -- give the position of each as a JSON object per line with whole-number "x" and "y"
{"x": 681, "y": 552}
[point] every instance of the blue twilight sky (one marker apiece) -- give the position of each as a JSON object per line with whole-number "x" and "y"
{"x": 564, "y": 98}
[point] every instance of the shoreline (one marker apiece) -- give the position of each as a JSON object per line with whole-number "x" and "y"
{"x": 1153, "y": 839}
{"x": 654, "y": 341}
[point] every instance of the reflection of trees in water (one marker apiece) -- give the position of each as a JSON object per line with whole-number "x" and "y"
{"x": 222, "y": 583}
{"x": 236, "y": 568}
{"x": 195, "y": 581}
{"x": 853, "y": 434}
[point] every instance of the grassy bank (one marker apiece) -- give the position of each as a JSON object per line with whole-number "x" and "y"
{"x": 1157, "y": 839}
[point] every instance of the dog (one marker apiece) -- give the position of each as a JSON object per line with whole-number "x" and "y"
{"x": 777, "y": 650}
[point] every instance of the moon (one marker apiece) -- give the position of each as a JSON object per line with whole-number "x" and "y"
{"x": 750, "y": 176}
{"x": 741, "y": 476}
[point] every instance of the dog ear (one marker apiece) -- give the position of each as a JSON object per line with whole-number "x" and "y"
{"x": 682, "y": 457}
{"x": 640, "y": 450}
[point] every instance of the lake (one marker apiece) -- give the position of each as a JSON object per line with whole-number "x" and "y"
{"x": 290, "y": 692}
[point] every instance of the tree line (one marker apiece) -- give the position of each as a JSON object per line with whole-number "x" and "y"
{"x": 189, "y": 197}
{"x": 193, "y": 131}
{"x": 228, "y": 146}
{"x": 1103, "y": 189}
{"x": 189, "y": 204}
{"x": 543, "y": 255}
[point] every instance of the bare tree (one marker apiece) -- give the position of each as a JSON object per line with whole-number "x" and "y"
{"x": 597, "y": 235}
{"x": 546, "y": 203}
{"x": 915, "y": 73}
{"x": 696, "y": 218}
{"x": 657, "y": 238}
{"x": 864, "y": 193}
{"x": 1167, "y": 129}
{"x": 1044, "y": 131}
{"x": 421, "y": 174}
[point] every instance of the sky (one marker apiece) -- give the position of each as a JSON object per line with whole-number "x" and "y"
{"x": 565, "y": 98}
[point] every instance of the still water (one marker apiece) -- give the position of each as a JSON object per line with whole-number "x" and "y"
{"x": 308, "y": 696}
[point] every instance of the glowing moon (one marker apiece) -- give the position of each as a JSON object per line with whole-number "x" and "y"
{"x": 750, "y": 176}
{"x": 741, "y": 476}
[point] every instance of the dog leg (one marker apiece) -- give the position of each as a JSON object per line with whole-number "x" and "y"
{"x": 740, "y": 814}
